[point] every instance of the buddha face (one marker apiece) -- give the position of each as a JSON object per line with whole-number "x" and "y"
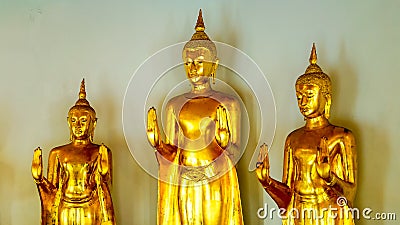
{"x": 310, "y": 100}
{"x": 81, "y": 124}
{"x": 199, "y": 63}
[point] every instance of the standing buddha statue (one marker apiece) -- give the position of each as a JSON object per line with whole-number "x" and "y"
{"x": 198, "y": 182}
{"x": 320, "y": 164}
{"x": 76, "y": 190}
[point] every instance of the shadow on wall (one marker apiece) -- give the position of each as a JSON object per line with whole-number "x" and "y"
{"x": 250, "y": 191}
{"x": 7, "y": 173}
{"x": 134, "y": 191}
{"x": 372, "y": 144}
{"x": 6, "y": 188}
{"x": 373, "y": 152}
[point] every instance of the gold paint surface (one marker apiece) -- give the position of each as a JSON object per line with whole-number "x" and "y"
{"x": 198, "y": 182}
{"x": 320, "y": 160}
{"x": 76, "y": 190}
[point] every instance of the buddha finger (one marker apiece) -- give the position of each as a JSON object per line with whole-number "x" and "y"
{"x": 225, "y": 116}
{"x": 218, "y": 117}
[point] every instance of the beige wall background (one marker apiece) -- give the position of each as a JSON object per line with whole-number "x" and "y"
{"x": 46, "y": 47}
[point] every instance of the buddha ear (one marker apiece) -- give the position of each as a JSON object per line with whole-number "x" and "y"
{"x": 94, "y": 122}
{"x": 327, "y": 109}
{"x": 214, "y": 68}
{"x": 215, "y": 64}
{"x": 91, "y": 128}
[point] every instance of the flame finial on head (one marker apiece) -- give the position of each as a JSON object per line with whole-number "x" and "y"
{"x": 200, "y": 22}
{"x": 313, "y": 55}
{"x": 82, "y": 95}
{"x": 200, "y": 34}
{"x": 313, "y": 67}
{"x": 82, "y": 91}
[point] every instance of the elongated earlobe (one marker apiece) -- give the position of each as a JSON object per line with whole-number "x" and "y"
{"x": 91, "y": 132}
{"x": 214, "y": 69}
{"x": 327, "y": 109}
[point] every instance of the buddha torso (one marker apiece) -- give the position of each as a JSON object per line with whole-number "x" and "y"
{"x": 77, "y": 170}
{"x": 196, "y": 116}
{"x": 305, "y": 144}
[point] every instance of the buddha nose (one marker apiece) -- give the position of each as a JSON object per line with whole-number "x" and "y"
{"x": 192, "y": 67}
{"x": 304, "y": 100}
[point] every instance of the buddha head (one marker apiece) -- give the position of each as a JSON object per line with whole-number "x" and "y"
{"x": 200, "y": 55}
{"x": 82, "y": 118}
{"x": 313, "y": 90}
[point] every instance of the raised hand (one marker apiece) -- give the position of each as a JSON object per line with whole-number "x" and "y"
{"x": 222, "y": 133}
{"x": 102, "y": 163}
{"x": 262, "y": 169}
{"x": 153, "y": 133}
{"x": 323, "y": 159}
{"x": 37, "y": 165}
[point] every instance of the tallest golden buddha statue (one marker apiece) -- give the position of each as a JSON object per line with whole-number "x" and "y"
{"x": 198, "y": 183}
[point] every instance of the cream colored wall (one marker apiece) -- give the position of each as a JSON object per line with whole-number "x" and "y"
{"x": 46, "y": 47}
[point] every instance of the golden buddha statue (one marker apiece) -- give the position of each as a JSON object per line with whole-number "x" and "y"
{"x": 198, "y": 182}
{"x": 76, "y": 190}
{"x": 320, "y": 164}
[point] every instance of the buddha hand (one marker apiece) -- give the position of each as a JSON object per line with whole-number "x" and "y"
{"x": 102, "y": 164}
{"x": 153, "y": 133}
{"x": 323, "y": 159}
{"x": 222, "y": 133}
{"x": 262, "y": 169}
{"x": 37, "y": 165}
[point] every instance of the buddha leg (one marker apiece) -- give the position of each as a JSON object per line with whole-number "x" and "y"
{"x": 183, "y": 204}
{"x": 190, "y": 204}
{"x": 214, "y": 207}
{"x": 86, "y": 213}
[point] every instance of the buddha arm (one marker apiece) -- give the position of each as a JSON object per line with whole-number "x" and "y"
{"x": 344, "y": 183}
{"x": 53, "y": 170}
{"x": 47, "y": 189}
{"x": 235, "y": 128}
{"x": 107, "y": 178}
{"x": 281, "y": 192}
{"x": 42, "y": 183}
{"x": 168, "y": 148}
{"x": 103, "y": 183}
